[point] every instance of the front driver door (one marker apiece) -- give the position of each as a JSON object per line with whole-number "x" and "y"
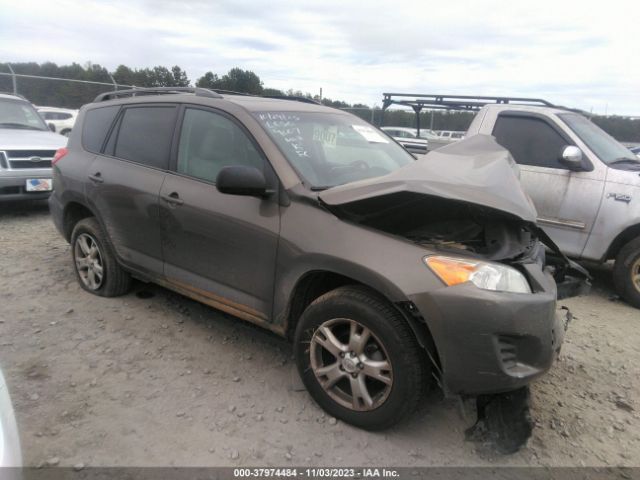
{"x": 219, "y": 248}
{"x": 567, "y": 202}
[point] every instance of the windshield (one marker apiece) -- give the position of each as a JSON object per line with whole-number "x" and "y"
{"x": 607, "y": 148}
{"x": 330, "y": 149}
{"x": 20, "y": 115}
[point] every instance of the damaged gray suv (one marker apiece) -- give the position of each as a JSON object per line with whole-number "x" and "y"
{"x": 388, "y": 273}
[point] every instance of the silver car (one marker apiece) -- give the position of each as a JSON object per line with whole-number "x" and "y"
{"x": 585, "y": 184}
{"x": 406, "y": 135}
{"x": 27, "y": 149}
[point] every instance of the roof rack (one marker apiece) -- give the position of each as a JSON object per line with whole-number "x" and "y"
{"x": 201, "y": 92}
{"x": 454, "y": 102}
{"x": 231, "y": 92}
{"x": 418, "y": 101}
{"x": 294, "y": 98}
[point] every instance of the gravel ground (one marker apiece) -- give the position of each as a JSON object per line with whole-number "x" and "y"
{"x": 155, "y": 379}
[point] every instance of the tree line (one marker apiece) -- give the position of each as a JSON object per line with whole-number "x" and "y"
{"x": 74, "y": 95}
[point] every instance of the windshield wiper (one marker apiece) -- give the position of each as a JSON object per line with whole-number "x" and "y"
{"x": 19, "y": 125}
{"x": 318, "y": 189}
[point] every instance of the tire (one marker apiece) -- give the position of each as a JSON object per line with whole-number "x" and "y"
{"x": 389, "y": 395}
{"x": 626, "y": 273}
{"x": 66, "y": 132}
{"x": 91, "y": 248}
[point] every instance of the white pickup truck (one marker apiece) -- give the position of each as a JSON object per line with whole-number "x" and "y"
{"x": 584, "y": 184}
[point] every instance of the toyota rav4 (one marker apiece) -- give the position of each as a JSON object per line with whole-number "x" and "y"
{"x": 387, "y": 272}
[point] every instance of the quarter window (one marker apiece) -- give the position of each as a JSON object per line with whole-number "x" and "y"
{"x": 209, "y": 142}
{"x": 145, "y": 135}
{"x": 531, "y": 141}
{"x": 97, "y": 122}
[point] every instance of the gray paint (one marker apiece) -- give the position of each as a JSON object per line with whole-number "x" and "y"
{"x": 475, "y": 170}
{"x": 247, "y": 255}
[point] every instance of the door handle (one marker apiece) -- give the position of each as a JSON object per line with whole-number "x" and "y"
{"x": 96, "y": 178}
{"x": 173, "y": 198}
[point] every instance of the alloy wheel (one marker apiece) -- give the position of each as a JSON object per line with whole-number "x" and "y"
{"x": 351, "y": 364}
{"x": 88, "y": 261}
{"x": 635, "y": 274}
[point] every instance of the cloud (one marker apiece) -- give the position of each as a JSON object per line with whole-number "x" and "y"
{"x": 572, "y": 53}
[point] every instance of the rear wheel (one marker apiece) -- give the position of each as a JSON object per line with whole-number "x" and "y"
{"x": 359, "y": 359}
{"x": 94, "y": 261}
{"x": 626, "y": 272}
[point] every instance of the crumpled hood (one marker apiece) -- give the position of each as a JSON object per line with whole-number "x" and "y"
{"x": 475, "y": 170}
{"x": 18, "y": 139}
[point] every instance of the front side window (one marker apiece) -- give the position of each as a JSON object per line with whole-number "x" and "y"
{"x": 209, "y": 142}
{"x": 145, "y": 135}
{"x": 530, "y": 140}
{"x": 606, "y": 148}
{"x": 20, "y": 115}
{"x": 330, "y": 149}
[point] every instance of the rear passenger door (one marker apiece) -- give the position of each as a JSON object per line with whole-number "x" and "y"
{"x": 219, "y": 247}
{"x": 125, "y": 179}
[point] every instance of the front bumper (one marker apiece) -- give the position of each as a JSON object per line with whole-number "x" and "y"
{"x": 12, "y": 185}
{"x": 490, "y": 342}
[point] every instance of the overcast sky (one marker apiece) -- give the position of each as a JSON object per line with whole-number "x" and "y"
{"x": 584, "y": 54}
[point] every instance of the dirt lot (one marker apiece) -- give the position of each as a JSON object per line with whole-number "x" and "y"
{"x": 167, "y": 381}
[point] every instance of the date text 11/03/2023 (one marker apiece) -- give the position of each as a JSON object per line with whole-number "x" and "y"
{"x": 362, "y": 473}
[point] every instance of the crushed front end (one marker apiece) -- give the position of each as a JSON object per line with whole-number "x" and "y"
{"x": 464, "y": 205}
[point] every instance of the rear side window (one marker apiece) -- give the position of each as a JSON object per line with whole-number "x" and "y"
{"x": 145, "y": 135}
{"x": 531, "y": 141}
{"x": 96, "y": 127}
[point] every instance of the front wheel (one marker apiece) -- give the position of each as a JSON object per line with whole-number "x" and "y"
{"x": 626, "y": 272}
{"x": 359, "y": 359}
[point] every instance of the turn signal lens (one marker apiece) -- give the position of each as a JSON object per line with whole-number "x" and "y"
{"x": 484, "y": 275}
{"x": 451, "y": 271}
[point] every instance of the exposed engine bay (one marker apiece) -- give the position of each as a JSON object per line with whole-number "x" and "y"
{"x": 447, "y": 225}
{"x": 461, "y": 228}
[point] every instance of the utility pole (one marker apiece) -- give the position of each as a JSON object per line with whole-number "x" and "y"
{"x": 321, "y": 94}
{"x": 115, "y": 85}
{"x": 13, "y": 79}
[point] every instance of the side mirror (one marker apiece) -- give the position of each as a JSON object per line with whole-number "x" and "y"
{"x": 572, "y": 158}
{"x": 52, "y": 127}
{"x": 242, "y": 180}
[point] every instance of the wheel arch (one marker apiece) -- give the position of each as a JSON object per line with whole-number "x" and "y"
{"x": 74, "y": 212}
{"x": 316, "y": 283}
{"x": 621, "y": 240}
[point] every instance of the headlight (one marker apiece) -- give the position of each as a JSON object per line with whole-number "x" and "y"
{"x": 488, "y": 276}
